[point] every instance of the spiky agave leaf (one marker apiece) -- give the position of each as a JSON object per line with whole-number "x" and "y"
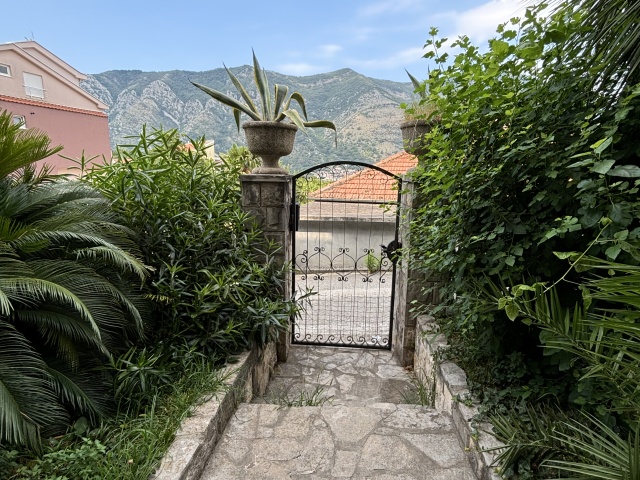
{"x": 262, "y": 83}
{"x": 229, "y": 102}
{"x": 245, "y": 95}
{"x": 280, "y": 95}
{"x": 274, "y": 109}
{"x": 417, "y": 86}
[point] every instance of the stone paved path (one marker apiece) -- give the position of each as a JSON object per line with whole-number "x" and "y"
{"x": 358, "y": 427}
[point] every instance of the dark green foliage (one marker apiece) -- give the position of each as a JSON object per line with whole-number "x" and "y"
{"x": 529, "y": 158}
{"x": 129, "y": 446}
{"x": 210, "y": 285}
{"x": 68, "y": 295}
{"x": 536, "y": 153}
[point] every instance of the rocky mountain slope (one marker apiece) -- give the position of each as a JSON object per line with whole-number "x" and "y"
{"x": 365, "y": 110}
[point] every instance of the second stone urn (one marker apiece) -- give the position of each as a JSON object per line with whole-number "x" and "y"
{"x": 413, "y": 132}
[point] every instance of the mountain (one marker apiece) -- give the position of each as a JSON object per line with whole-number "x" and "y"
{"x": 365, "y": 110}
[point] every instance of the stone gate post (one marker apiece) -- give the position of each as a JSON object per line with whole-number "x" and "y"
{"x": 410, "y": 284}
{"x": 267, "y": 198}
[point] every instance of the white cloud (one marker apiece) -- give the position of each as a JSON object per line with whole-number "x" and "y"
{"x": 389, "y": 6}
{"x": 480, "y": 23}
{"x": 329, "y": 50}
{"x": 398, "y": 59}
{"x": 299, "y": 68}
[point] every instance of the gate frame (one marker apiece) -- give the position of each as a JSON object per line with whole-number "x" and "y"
{"x": 293, "y": 225}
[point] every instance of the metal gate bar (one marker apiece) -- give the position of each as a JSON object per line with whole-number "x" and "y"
{"x": 340, "y": 255}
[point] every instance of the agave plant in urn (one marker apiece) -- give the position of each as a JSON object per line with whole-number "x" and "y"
{"x": 273, "y": 123}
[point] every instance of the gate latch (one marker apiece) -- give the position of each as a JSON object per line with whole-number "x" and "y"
{"x": 390, "y": 250}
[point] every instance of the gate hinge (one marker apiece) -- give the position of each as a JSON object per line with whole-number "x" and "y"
{"x": 294, "y": 217}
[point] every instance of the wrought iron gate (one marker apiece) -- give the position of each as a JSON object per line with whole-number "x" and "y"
{"x": 345, "y": 217}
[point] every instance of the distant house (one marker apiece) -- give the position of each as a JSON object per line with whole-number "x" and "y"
{"x": 42, "y": 91}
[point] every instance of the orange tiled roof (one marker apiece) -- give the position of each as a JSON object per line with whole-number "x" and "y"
{"x": 370, "y": 184}
{"x": 51, "y": 105}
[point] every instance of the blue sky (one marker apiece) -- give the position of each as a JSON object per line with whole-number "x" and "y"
{"x": 378, "y": 38}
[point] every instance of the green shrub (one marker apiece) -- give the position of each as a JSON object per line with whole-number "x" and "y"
{"x": 215, "y": 282}
{"x": 128, "y": 446}
{"x": 531, "y": 156}
{"x": 536, "y": 153}
{"x": 373, "y": 262}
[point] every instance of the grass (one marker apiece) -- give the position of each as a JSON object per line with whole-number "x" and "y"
{"x": 302, "y": 398}
{"x": 126, "y": 448}
{"x": 423, "y": 391}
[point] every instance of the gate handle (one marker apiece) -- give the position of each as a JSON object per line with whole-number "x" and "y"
{"x": 390, "y": 250}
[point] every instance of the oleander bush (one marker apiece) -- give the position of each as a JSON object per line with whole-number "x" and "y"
{"x": 215, "y": 284}
{"x": 121, "y": 293}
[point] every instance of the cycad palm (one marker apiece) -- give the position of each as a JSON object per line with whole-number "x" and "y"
{"x": 67, "y": 292}
{"x": 610, "y": 36}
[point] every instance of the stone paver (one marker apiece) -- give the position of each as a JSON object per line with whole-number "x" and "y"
{"x": 344, "y": 376}
{"x": 359, "y": 429}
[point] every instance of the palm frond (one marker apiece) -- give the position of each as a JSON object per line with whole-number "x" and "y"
{"x": 583, "y": 445}
{"x": 610, "y": 35}
{"x": 20, "y": 147}
{"x": 83, "y": 393}
{"x": 27, "y": 404}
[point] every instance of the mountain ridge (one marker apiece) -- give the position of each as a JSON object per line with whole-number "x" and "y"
{"x": 365, "y": 110}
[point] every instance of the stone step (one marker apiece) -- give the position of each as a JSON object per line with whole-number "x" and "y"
{"x": 377, "y": 441}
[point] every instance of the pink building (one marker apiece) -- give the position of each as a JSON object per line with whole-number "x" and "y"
{"x": 43, "y": 92}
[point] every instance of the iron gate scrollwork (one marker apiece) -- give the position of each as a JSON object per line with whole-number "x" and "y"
{"x": 345, "y": 217}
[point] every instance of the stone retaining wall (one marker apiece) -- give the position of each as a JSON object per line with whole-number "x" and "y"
{"x": 199, "y": 433}
{"x": 453, "y": 397}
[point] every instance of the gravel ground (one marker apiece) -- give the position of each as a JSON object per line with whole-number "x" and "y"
{"x": 345, "y": 309}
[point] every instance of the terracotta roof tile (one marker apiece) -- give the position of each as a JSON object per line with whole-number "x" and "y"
{"x": 370, "y": 184}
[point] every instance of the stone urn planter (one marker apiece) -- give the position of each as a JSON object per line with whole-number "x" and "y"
{"x": 413, "y": 132}
{"x": 270, "y": 141}
{"x": 268, "y": 136}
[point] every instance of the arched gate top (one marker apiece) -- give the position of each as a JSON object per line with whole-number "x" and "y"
{"x": 347, "y": 162}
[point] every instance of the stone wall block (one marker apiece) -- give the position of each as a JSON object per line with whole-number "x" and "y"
{"x": 451, "y": 388}
{"x": 277, "y": 218}
{"x": 273, "y": 195}
{"x": 250, "y": 195}
{"x": 256, "y": 217}
{"x": 267, "y": 198}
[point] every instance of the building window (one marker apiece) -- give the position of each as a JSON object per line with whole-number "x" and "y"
{"x": 5, "y": 70}
{"x": 33, "y": 85}
{"x": 20, "y": 120}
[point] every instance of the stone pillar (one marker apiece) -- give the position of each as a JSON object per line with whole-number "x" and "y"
{"x": 267, "y": 198}
{"x": 410, "y": 284}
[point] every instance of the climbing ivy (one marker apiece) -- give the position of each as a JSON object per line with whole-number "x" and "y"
{"x": 532, "y": 156}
